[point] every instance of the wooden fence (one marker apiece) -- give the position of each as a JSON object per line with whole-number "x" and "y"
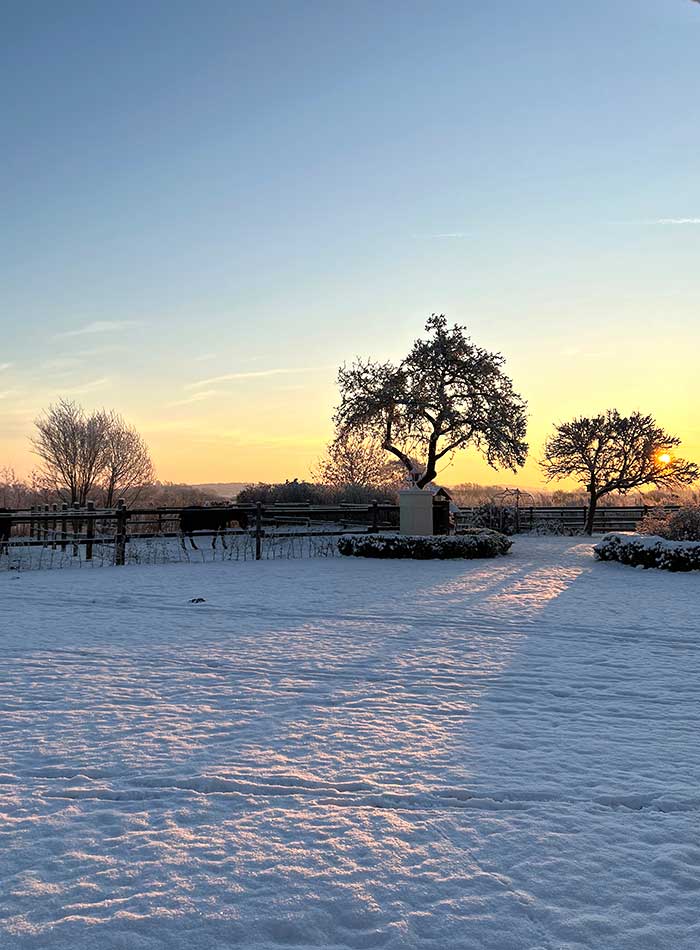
{"x": 618, "y": 518}
{"x": 72, "y": 527}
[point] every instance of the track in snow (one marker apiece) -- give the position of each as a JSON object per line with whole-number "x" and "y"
{"x": 348, "y": 753}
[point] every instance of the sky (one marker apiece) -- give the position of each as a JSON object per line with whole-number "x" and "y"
{"x": 206, "y": 208}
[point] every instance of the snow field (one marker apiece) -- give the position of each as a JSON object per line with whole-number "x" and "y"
{"x": 348, "y": 753}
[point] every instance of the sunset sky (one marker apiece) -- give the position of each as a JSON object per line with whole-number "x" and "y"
{"x": 207, "y": 207}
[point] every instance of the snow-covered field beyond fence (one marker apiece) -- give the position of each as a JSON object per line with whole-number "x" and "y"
{"x": 345, "y": 753}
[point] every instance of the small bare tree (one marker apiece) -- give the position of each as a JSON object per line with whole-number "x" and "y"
{"x": 446, "y": 394}
{"x": 127, "y": 465}
{"x": 355, "y": 462}
{"x": 72, "y": 446}
{"x": 614, "y": 453}
{"x": 14, "y": 493}
{"x": 81, "y": 452}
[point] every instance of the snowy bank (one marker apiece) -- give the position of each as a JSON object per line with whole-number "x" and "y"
{"x": 649, "y": 551}
{"x": 345, "y": 753}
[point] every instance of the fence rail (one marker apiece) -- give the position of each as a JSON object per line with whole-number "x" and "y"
{"x": 83, "y": 529}
{"x": 74, "y": 527}
{"x": 609, "y": 518}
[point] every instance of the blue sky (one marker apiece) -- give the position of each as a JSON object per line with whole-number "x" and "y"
{"x": 260, "y": 191}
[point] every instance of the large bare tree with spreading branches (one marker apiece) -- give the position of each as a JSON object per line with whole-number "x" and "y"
{"x": 445, "y": 395}
{"x": 615, "y": 453}
{"x": 81, "y": 453}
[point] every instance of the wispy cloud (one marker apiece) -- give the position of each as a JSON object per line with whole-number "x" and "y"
{"x": 257, "y": 374}
{"x": 4, "y": 366}
{"x": 441, "y": 236}
{"x": 74, "y": 358}
{"x": 100, "y": 326}
{"x": 678, "y": 221}
{"x": 87, "y": 387}
{"x": 195, "y": 397}
{"x": 62, "y": 363}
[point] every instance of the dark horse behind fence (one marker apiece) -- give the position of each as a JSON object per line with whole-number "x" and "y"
{"x": 5, "y": 529}
{"x": 213, "y": 520}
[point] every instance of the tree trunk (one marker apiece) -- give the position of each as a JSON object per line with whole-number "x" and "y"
{"x": 427, "y": 477}
{"x": 592, "y": 505}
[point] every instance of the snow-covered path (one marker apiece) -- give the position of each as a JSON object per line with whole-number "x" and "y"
{"x": 348, "y": 753}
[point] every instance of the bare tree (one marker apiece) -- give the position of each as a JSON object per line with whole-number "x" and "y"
{"x": 614, "y": 453}
{"x": 72, "y": 446}
{"x": 356, "y": 462}
{"x": 446, "y": 394}
{"x": 127, "y": 464}
{"x": 14, "y": 493}
{"x": 81, "y": 452}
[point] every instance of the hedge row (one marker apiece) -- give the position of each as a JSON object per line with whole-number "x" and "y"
{"x": 481, "y": 544}
{"x": 650, "y": 552}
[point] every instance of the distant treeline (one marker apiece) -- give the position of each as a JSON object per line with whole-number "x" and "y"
{"x": 16, "y": 492}
{"x": 299, "y": 491}
{"x": 471, "y": 494}
{"x": 467, "y": 494}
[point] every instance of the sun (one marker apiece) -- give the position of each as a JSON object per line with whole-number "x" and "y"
{"x": 664, "y": 458}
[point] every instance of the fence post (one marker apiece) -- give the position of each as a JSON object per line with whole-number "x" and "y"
{"x": 585, "y": 514}
{"x": 375, "y": 516}
{"x": 76, "y": 530}
{"x": 258, "y": 530}
{"x": 31, "y": 523}
{"x": 120, "y": 538}
{"x": 54, "y": 509}
{"x": 64, "y": 525}
{"x": 89, "y": 530}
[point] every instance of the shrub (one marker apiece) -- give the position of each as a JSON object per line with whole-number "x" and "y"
{"x": 649, "y": 552}
{"x": 479, "y": 531}
{"x": 490, "y": 515}
{"x": 509, "y": 520}
{"x": 654, "y": 522}
{"x": 422, "y": 548}
{"x": 682, "y": 525}
{"x": 312, "y": 493}
{"x": 552, "y": 528}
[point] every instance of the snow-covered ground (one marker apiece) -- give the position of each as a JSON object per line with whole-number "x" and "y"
{"x": 346, "y": 753}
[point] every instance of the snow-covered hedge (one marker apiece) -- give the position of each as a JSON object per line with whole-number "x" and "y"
{"x": 422, "y": 548}
{"x": 650, "y": 551}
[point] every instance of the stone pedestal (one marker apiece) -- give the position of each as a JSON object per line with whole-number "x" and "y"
{"x": 416, "y": 508}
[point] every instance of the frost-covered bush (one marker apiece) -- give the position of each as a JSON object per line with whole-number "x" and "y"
{"x": 681, "y": 525}
{"x": 552, "y": 527}
{"x": 479, "y": 531}
{"x": 649, "y": 552}
{"x": 498, "y": 517}
{"x": 422, "y": 548}
{"x": 654, "y": 522}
